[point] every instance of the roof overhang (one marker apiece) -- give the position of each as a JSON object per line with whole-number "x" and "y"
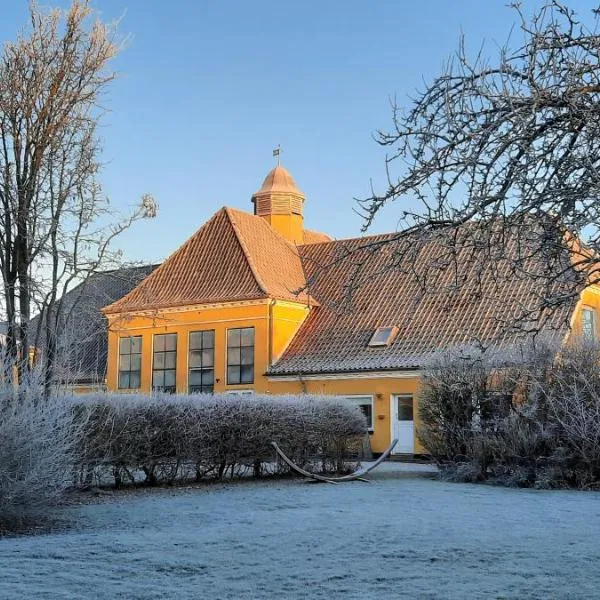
{"x": 408, "y": 373}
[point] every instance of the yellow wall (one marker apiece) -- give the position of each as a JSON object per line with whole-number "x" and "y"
{"x": 219, "y": 318}
{"x": 286, "y": 318}
{"x": 275, "y": 323}
{"x": 291, "y": 226}
{"x": 381, "y": 388}
{"x": 590, "y": 298}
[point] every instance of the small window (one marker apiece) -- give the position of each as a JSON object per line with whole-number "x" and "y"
{"x": 365, "y": 403}
{"x": 201, "y": 370}
{"x": 164, "y": 364}
{"x": 588, "y": 324}
{"x": 383, "y": 336}
{"x": 130, "y": 362}
{"x": 240, "y": 356}
{"x": 405, "y": 408}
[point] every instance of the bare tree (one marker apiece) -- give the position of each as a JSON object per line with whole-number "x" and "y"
{"x": 56, "y": 226}
{"x": 500, "y": 158}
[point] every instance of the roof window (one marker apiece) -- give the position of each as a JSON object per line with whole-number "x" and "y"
{"x": 384, "y": 336}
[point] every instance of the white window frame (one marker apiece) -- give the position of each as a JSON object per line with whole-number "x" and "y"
{"x": 354, "y": 399}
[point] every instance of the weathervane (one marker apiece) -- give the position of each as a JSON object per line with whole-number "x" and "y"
{"x": 277, "y": 152}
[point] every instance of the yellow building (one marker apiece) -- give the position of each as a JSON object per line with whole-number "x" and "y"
{"x": 257, "y": 303}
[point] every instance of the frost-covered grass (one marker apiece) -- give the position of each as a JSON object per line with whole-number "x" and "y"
{"x": 405, "y": 536}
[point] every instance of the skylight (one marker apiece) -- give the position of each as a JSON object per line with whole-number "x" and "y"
{"x": 384, "y": 336}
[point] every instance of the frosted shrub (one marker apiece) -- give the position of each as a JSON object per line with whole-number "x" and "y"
{"x": 455, "y": 404}
{"x": 527, "y": 418}
{"x": 38, "y": 442}
{"x": 571, "y": 401}
{"x": 168, "y": 437}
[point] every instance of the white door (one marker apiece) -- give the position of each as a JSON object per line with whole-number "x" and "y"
{"x": 403, "y": 425}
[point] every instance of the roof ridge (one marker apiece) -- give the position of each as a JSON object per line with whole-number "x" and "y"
{"x": 245, "y": 250}
{"x": 359, "y": 238}
{"x": 291, "y": 246}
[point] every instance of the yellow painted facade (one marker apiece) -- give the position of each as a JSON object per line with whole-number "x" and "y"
{"x": 275, "y": 323}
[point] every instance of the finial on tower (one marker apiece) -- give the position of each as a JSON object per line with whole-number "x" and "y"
{"x": 277, "y": 153}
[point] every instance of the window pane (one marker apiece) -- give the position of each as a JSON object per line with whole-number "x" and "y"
{"x": 247, "y": 336}
{"x": 195, "y": 358}
{"x": 247, "y": 374}
{"x": 170, "y": 360}
{"x": 123, "y": 380}
{"x": 158, "y": 379}
{"x": 247, "y": 356}
{"x": 136, "y": 362}
{"x": 233, "y": 337}
{"x": 124, "y": 345}
{"x": 367, "y": 410}
{"x": 196, "y": 340}
{"x": 195, "y": 378}
{"x": 136, "y": 344}
{"x": 233, "y": 375}
{"x": 171, "y": 341}
{"x": 159, "y": 343}
{"x": 208, "y": 357}
{"x": 588, "y": 324}
{"x": 382, "y": 336}
{"x": 208, "y": 339}
{"x": 169, "y": 378}
{"x": 134, "y": 380}
{"x": 207, "y": 377}
{"x": 233, "y": 356}
{"x": 124, "y": 362}
{"x": 159, "y": 360}
{"x": 405, "y": 408}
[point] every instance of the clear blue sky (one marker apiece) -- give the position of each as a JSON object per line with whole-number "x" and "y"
{"x": 208, "y": 88}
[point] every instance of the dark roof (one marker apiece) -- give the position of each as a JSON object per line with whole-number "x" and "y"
{"x": 85, "y": 360}
{"x": 388, "y": 280}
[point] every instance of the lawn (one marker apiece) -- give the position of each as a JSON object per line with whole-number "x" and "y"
{"x": 406, "y": 535}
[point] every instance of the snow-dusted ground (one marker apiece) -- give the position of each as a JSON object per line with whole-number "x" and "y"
{"x": 404, "y": 536}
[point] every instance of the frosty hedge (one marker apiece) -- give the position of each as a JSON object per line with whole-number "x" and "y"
{"x": 39, "y": 444}
{"x": 163, "y": 438}
{"x": 47, "y": 446}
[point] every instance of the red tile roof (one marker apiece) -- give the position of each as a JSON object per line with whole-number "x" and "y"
{"x": 315, "y": 237}
{"x": 365, "y": 283}
{"x": 233, "y": 256}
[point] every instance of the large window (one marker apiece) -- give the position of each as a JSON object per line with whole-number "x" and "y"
{"x": 164, "y": 362}
{"x": 365, "y": 403}
{"x": 130, "y": 362}
{"x": 240, "y": 356}
{"x": 588, "y": 324}
{"x": 201, "y": 367}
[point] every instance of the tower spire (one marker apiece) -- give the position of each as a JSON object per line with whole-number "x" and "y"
{"x": 280, "y": 203}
